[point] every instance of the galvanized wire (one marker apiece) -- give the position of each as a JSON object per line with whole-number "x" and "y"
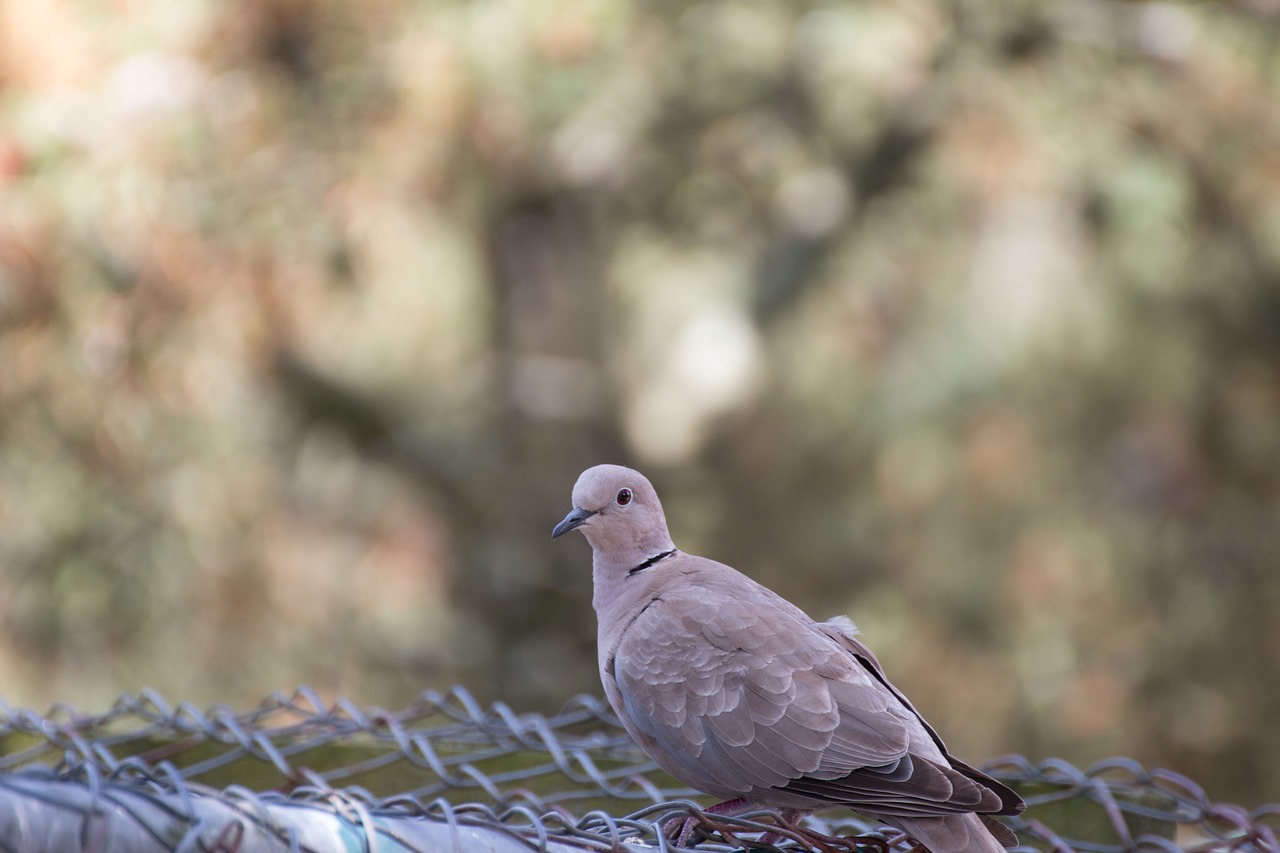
{"x": 446, "y": 773}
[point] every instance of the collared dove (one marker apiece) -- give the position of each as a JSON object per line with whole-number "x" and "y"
{"x": 735, "y": 691}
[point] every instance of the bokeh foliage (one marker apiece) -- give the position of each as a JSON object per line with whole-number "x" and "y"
{"x": 962, "y": 318}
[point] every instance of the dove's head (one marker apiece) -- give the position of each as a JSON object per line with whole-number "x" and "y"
{"x": 618, "y": 511}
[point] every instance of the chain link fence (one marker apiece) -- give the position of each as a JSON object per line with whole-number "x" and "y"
{"x": 297, "y": 774}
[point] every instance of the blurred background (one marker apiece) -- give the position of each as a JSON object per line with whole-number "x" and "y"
{"x": 961, "y": 318}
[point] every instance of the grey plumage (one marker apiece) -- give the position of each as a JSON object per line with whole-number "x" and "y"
{"x": 738, "y": 693}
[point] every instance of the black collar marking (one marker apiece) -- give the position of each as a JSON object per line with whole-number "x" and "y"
{"x": 649, "y": 562}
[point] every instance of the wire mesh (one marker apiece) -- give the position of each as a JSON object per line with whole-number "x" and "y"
{"x": 446, "y": 773}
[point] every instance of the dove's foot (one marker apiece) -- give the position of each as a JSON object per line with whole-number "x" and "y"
{"x": 684, "y": 832}
{"x": 680, "y": 829}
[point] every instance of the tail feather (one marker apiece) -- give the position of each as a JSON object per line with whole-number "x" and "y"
{"x": 1002, "y": 833}
{"x": 963, "y": 833}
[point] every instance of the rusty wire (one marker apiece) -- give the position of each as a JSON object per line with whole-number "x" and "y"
{"x": 487, "y": 777}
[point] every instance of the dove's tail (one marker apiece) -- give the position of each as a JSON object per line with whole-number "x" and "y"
{"x": 961, "y": 833}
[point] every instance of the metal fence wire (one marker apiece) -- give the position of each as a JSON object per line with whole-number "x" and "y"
{"x": 446, "y": 773}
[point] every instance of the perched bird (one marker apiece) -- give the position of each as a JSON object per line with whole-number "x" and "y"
{"x": 735, "y": 691}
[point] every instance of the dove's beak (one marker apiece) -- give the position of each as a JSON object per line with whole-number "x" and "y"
{"x": 572, "y": 521}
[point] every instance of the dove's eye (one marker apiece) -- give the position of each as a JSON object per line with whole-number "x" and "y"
{"x": 623, "y": 498}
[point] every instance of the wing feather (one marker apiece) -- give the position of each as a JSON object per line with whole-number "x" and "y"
{"x": 745, "y": 696}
